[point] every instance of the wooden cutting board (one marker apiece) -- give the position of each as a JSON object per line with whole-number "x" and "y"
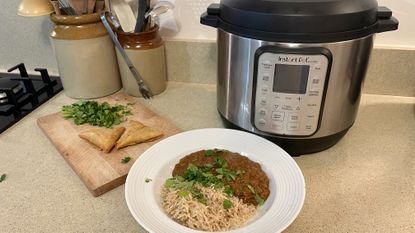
{"x": 100, "y": 171}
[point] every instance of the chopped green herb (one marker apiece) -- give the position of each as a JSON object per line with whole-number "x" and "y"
{"x": 2, "y": 177}
{"x": 208, "y": 153}
{"x": 147, "y": 180}
{"x": 228, "y": 190}
{"x": 183, "y": 193}
{"x": 227, "y": 204}
{"x": 125, "y": 159}
{"x": 221, "y": 162}
{"x": 97, "y": 114}
{"x": 251, "y": 188}
{"x": 259, "y": 200}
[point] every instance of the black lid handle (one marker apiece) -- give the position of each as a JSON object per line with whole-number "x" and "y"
{"x": 384, "y": 13}
{"x": 386, "y": 22}
{"x": 210, "y": 18}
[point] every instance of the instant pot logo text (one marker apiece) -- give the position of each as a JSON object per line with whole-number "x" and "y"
{"x": 294, "y": 59}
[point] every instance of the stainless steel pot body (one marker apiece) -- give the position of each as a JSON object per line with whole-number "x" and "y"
{"x": 343, "y": 84}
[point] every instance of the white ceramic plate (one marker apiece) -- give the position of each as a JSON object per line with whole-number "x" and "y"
{"x": 287, "y": 187}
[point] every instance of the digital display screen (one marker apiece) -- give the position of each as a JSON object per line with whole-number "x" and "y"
{"x": 290, "y": 78}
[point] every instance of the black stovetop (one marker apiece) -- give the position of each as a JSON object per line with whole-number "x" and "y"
{"x": 21, "y": 93}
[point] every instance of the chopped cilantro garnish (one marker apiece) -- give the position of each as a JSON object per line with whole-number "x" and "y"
{"x": 228, "y": 190}
{"x": 208, "y": 153}
{"x": 147, "y": 180}
{"x": 211, "y": 174}
{"x": 97, "y": 114}
{"x": 221, "y": 162}
{"x": 2, "y": 177}
{"x": 125, "y": 159}
{"x": 183, "y": 193}
{"x": 259, "y": 200}
{"x": 227, "y": 204}
{"x": 251, "y": 188}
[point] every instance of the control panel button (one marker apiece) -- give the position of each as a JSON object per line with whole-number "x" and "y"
{"x": 310, "y": 116}
{"x": 265, "y": 89}
{"x": 297, "y": 108}
{"x": 313, "y": 92}
{"x": 262, "y": 122}
{"x": 266, "y": 77}
{"x": 308, "y": 127}
{"x": 315, "y": 80}
{"x": 266, "y": 64}
{"x": 263, "y": 101}
{"x": 293, "y": 117}
{"x": 291, "y": 126}
{"x": 287, "y": 107}
{"x": 278, "y": 116}
{"x": 262, "y": 112}
{"x": 277, "y": 125}
{"x": 317, "y": 66}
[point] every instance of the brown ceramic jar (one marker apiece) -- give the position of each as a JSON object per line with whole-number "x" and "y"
{"x": 146, "y": 52}
{"x": 85, "y": 55}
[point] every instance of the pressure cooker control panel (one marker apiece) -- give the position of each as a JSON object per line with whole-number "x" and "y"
{"x": 289, "y": 92}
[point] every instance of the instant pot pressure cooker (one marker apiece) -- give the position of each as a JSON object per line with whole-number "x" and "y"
{"x": 292, "y": 70}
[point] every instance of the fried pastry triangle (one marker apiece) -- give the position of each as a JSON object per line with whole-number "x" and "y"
{"x": 103, "y": 138}
{"x": 137, "y": 133}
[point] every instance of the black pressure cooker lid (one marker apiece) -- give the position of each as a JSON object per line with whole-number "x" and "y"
{"x": 300, "y": 20}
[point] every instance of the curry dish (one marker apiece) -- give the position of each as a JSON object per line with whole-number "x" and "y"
{"x": 251, "y": 174}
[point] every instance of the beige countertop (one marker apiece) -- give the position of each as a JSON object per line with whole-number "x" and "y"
{"x": 365, "y": 183}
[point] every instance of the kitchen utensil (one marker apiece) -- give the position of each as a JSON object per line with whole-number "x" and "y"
{"x": 158, "y": 9}
{"x": 91, "y": 6}
{"x": 125, "y": 15}
{"x": 287, "y": 186}
{"x": 99, "y": 6}
{"x": 101, "y": 172}
{"x": 143, "y": 88}
{"x": 85, "y": 7}
{"x": 108, "y": 5}
{"x": 142, "y": 9}
{"x": 66, "y": 7}
{"x": 77, "y": 5}
{"x": 292, "y": 71}
{"x": 56, "y": 7}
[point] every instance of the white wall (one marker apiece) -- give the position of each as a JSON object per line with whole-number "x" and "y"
{"x": 189, "y": 11}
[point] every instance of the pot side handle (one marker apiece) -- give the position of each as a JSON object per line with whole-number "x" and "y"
{"x": 210, "y": 17}
{"x": 386, "y": 22}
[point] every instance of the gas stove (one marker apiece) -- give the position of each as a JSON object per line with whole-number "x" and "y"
{"x": 22, "y": 93}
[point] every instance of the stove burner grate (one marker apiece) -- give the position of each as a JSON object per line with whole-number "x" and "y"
{"x": 20, "y": 93}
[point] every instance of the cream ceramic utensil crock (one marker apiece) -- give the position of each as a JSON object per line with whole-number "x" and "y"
{"x": 85, "y": 55}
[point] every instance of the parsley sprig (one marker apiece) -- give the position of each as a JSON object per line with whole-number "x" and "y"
{"x": 97, "y": 114}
